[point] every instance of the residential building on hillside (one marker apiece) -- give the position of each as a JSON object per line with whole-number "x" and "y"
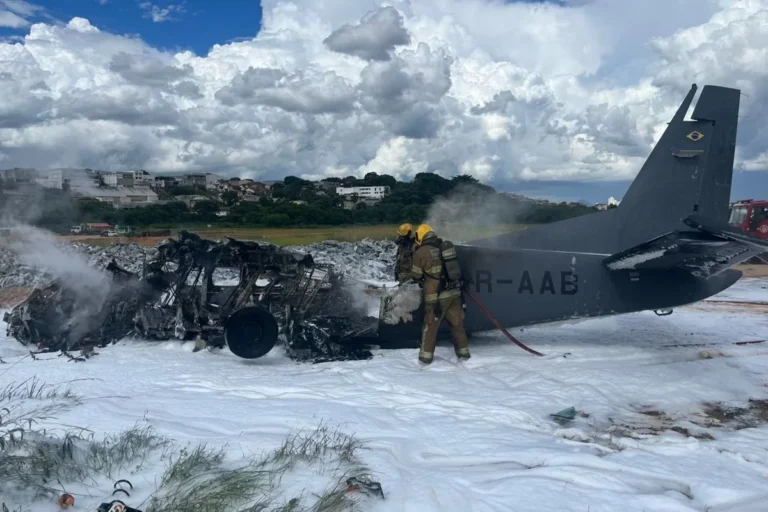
{"x": 611, "y": 202}
{"x": 364, "y": 192}
{"x": 167, "y": 181}
{"x": 74, "y": 179}
{"x": 143, "y": 179}
{"x": 118, "y": 196}
{"x": 119, "y": 179}
{"x": 212, "y": 180}
{"x": 207, "y": 180}
{"x": 256, "y": 188}
{"x": 194, "y": 180}
{"x": 19, "y": 175}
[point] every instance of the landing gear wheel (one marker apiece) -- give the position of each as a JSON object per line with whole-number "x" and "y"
{"x": 251, "y": 332}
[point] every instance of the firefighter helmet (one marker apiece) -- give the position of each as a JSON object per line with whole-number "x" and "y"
{"x": 405, "y": 229}
{"x": 422, "y": 231}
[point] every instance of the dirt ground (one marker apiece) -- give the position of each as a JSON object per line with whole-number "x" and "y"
{"x": 753, "y": 270}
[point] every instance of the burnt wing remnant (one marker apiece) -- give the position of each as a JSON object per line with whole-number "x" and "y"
{"x": 280, "y": 294}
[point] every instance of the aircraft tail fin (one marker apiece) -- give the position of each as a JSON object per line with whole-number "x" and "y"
{"x": 689, "y": 171}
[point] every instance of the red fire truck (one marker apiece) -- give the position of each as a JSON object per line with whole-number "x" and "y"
{"x": 751, "y": 216}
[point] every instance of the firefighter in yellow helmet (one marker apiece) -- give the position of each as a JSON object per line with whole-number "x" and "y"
{"x": 435, "y": 265}
{"x": 406, "y": 240}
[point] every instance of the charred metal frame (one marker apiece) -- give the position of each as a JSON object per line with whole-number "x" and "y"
{"x": 174, "y": 296}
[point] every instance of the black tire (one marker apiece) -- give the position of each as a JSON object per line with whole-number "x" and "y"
{"x": 251, "y": 332}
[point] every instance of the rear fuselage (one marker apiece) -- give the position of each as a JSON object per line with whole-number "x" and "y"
{"x": 529, "y": 287}
{"x": 534, "y": 287}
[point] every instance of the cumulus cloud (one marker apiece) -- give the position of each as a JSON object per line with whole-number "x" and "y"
{"x": 373, "y": 38}
{"x": 503, "y": 91}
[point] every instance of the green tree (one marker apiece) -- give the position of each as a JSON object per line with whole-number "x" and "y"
{"x": 229, "y": 197}
{"x": 277, "y": 220}
{"x": 206, "y": 209}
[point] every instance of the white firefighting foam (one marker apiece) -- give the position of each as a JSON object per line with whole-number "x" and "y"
{"x": 470, "y": 436}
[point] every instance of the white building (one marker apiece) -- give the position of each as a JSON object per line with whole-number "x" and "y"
{"x": 18, "y": 175}
{"x": 75, "y": 179}
{"x": 613, "y": 202}
{"x": 212, "y": 180}
{"x": 119, "y": 196}
{"x": 364, "y": 192}
{"x": 143, "y": 179}
{"x": 119, "y": 179}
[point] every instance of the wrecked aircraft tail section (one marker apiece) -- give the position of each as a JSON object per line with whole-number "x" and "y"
{"x": 688, "y": 172}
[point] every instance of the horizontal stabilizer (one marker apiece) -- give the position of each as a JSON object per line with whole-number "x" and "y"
{"x": 708, "y": 249}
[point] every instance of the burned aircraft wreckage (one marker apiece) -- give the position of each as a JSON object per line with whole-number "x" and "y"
{"x": 281, "y": 295}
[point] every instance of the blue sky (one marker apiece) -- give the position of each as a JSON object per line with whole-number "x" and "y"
{"x": 189, "y": 24}
{"x": 745, "y": 185}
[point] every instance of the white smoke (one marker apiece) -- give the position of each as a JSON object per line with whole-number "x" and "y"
{"x": 89, "y": 287}
{"x": 38, "y": 248}
{"x": 364, "y": 297}
{"x": 469, "y": 213}
{"x": 401, "y": 303}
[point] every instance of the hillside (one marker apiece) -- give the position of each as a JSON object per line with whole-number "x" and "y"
{"x": 295, "y": 202}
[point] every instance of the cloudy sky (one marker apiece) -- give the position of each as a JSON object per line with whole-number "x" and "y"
{"x": 558, "y": 99}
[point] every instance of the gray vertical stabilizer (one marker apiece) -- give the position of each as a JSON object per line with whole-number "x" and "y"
{"x": 688, "y": 172}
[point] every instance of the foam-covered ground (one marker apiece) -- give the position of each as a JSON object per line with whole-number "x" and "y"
{"x": 476, "y": 436}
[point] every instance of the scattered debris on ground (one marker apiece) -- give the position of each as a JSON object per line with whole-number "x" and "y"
{"x": 648, "y": 422}
{"x": 754, "y": 414}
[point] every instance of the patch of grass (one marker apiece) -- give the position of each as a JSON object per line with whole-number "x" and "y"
{"x": 200, "y": 479}
{"x": 306, "y": 236}
{"x": 130, "y": 447}
{"x": 36, "y": 463}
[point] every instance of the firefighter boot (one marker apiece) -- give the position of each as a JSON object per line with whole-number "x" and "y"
{"x": 454, "y": 314}
{"x": 428, "y": 335}
{"x": 200, "y": 344}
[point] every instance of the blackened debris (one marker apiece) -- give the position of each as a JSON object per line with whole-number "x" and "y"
{"x": 174, "y": 296}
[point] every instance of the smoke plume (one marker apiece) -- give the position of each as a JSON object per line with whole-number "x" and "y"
{"x": 469, "y": 213}
{"x": 36, "y": 247}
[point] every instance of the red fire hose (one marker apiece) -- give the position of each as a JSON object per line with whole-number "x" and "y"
{"x": 498, "y": 324}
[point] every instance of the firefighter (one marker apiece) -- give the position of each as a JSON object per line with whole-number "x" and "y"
{"x": 406, "y": 240}
{"x": 436, "y": 268}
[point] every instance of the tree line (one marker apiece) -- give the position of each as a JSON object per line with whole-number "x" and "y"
{"x": 319, "y": 206}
